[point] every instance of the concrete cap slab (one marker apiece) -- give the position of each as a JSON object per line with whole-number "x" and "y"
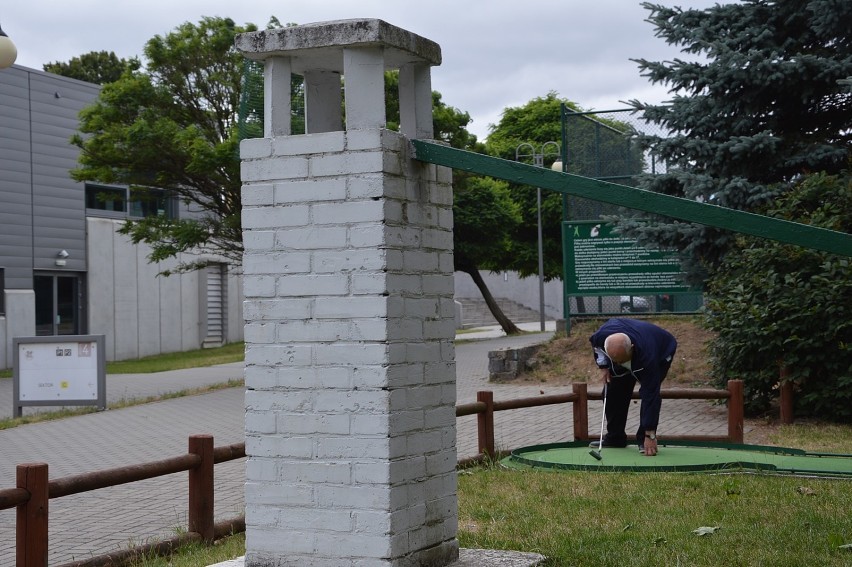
{"x": 319, "y": 46}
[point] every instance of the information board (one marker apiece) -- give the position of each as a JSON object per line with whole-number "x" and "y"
{"x": 59, "y": 370}
{"x": 602, "y": 263}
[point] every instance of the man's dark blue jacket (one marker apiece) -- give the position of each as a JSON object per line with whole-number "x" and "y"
{"x": 653, "y": 352}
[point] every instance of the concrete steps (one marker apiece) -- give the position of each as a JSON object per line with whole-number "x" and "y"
{"x": 475, "y": 313}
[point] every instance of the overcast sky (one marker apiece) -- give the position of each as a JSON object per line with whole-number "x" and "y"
{"x": 496, "y": 53}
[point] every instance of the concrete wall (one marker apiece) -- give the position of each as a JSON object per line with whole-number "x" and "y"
{"x": 139, "y": 312}
{"x": 19, "y": 321}
{"x": 507, "y": 285}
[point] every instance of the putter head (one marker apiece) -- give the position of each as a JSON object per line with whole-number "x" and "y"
{"x": 596, "y": 454}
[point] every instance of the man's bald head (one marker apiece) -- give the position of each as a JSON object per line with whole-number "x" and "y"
{"x": 619, "y": 348}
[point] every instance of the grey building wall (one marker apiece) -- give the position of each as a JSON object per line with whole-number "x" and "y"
{"x": 42, "y": 211}
{"x": 41, "y": 207}
{"x": 141, "y": 313}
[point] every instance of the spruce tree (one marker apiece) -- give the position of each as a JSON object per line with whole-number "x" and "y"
{"x": 761, "y": 101}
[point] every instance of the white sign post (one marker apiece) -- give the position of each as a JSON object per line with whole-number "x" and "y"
{"x": 67, "y": 370}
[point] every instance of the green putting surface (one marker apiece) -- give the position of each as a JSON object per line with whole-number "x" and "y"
{"x": 682, "y": 456}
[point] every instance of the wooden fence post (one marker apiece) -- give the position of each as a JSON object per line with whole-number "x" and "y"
{"x": 201, "y": 488}
{"x": 485, "y": 423}
{"x": 786, "y": 396}
{"x": 581, "y": 411}
{"x": 736, "y": 409}
{"x": 31, "y": 530}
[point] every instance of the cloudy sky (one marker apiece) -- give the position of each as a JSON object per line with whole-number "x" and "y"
{"x": 496, "y": 53}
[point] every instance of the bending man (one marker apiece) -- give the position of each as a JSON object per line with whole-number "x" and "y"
{"x": 627, "y": 351}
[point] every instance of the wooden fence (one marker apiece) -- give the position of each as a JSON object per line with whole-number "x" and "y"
{"x": 34, "y": 490}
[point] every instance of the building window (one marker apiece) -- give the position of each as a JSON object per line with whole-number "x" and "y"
{"x": 139, "y": 203}
{"x": 102, "y": 198}
{"x": 151, "y": 203}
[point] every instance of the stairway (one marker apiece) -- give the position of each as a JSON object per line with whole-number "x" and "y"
{"x": 475, "y": 313}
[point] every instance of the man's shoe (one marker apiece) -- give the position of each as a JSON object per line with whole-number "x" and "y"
{"x": 607, "y": 443}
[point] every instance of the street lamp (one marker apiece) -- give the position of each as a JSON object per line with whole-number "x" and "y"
{"x": 8, "y": 51}
{"x": 528, "y": 151}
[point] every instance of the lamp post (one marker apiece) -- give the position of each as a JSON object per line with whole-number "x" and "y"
{"x": 529, "y": 151}
{"x": 8, "y": 51}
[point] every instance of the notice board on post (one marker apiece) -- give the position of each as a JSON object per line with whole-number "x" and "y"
{"x": 64, "y": 370}
{"x": 603, "y": 263}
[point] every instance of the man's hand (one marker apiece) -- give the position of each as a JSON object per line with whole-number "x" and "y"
{"x": 650, "y": 447}
{"x": 605, "y": 375}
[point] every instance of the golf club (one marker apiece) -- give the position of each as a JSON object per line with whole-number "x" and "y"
{"x": 597, "y": 454}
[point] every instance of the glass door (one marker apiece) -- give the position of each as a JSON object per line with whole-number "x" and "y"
{"x": 59, "y": 304}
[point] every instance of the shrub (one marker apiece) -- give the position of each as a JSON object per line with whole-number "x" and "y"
{"x": 774, "y": 305}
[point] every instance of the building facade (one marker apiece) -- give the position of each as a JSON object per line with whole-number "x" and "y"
{"x": 64, "y": 268}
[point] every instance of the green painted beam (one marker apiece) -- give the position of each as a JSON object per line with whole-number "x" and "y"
{"x": 675, "y": 207}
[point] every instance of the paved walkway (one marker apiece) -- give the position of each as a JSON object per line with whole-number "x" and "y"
{"x": 110, "y": 519}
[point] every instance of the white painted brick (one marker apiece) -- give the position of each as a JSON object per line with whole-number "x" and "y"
{"x": 406, "y": 421}
{"x": 427, "y": 396}
{"x": 403, "y": 236}
{"x": 322, "y": 142}
{"x": 369, "y": 329}
{"x": 274, "y": 446}
{"x": 346, "y": 401}
{"x": 438, "y": 284}
{"x": 354, "y": 448}
{"x": 423, "y": 442}
{"x": 371, "y": 375}
{"x": 370, "y": 283}
{"x": 278, "y": 309}
{"x": 439, "y": 417}
{"x": 392, "y": 163}
{"x": 272, "y": 542}
{"x": 443, "y": 462}
{"x": 356, "y": 353}
{"x": 311, "y": 238}
{"x": 262, "y": 470}
{"x": 405, "y": 375}
{"x": 316, "y": 520}
{"x": 440, "y": 329}
{"x": 359, "y": 497}
{"x": 278, "y": 355}
{"x": 397, "y": 353}
{"x": 260, "y": 377}
{"x": 394, "y": 211}
{"x": 263, "y": 333}
{"x": 313, "y": 331}
{"x": 345, "y": 163}
{"x": 273, "y": 169}
{"x": 313, "y": 424}
{"x": 310, "y": 190}
{"x": 411, "y": 284}
{"x": 393, "y": 141}
{"x": 325, "y": 472}
{"x": 420, "y": 261}
{"x": 393, "y": 260}
{"x": 348, "y": 212}
{"x": 360, "y": 545}
{"x": 314, "y": 377}
{"x": 258, "y": 240}
{"x": 276, "y": 263}
{"x": 364, "y": 140}
{"x": 287, "y": 401}
{"x": 445, "y": 263}
{"x": 372, "y": 472}
{"x": 445, "y": 219}
{"x": 275, "y": 217}
{"x": 365, "y": 186}
{"x": 335, "y": 261}
{"x": 437, "y": 239}
{"x": 421, "y": 215}
{"x": 370, "y": 424}
{"x": 350, "y": 307}
{"x": 260, "y": 422}
{"x": 367, "y": 235}
{"x": 374, "y": 522}
{"x": 255, "y": 148}
{"x": 259, "y": 286}
{"x": 426, "y": 308}
{"x": 406, "y": 330}
{"x": 300, "y": 285}
{"x": 257, "y": 194}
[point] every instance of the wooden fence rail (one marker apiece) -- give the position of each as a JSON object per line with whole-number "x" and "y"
{"x": 34, "y": 489}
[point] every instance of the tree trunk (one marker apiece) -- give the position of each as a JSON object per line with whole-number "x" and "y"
{"x": 508, "y": 327}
